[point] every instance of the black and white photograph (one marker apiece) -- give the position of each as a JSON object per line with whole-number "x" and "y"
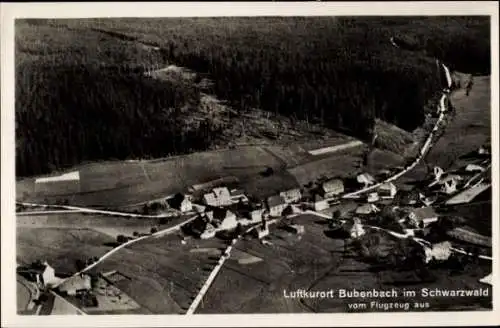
{"x": 264, "y": 164}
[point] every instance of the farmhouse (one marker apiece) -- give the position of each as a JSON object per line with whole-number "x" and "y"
{"x": 387, "y": 190}
{"x": 276, "y": 205}
{"x": 332, "y": 188}
{"x": 291, "y": 196}
{"x": 218, "y": 197}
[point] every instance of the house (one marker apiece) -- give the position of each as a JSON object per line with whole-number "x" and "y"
{"x": 291, "y": 196}
{"x": 229, "y": 221}
{"x": 367, "y": 209}
{"x": 218, "y": 197}
{"x": 372, "y": 197}
{"x": 256, "y": 215}
{"x": 421, "y": 216}
{"x": 209, "y": 232}
{"x": 449, "y": 187}
{"x": 48, "y": 277}
{"x": 439, "y": 252}
{"x": 76, "y": 284}
{"x": 387, "y": 190}
{"x": 332, "y": 188}
{"x": 365, "y": 179}
{"x": 320, "y": 203}
{"x": 276, "y": 205}
{"x": 181, "y": 202}
{"x": 238, "y": 195}
{"x": 354, "y": 228}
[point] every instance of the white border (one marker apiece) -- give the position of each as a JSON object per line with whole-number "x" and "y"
{"x": 9, "y": 11}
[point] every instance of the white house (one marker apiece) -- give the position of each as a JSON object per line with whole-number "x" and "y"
{"x": 387, "y": 190}
{"x": 291, "y": 196}
{"x": 356, "y": 230}
{"x": 209, "y": 232}
{"x": 276, "y": 205}
{"x": 439, "y": 252}
{"x": 49, "y": 276}
{"x": 332, "y": 188}
{"x": 372, "y": 197}
{"x": 218, "y": 197}
{"x": 320, "y": 203}
{"x": 228, "y": 222}
{"x": 449, "y": 186}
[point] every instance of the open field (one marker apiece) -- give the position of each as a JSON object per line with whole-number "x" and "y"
{"x": 164, "y": 274}
{"x": 60, "y": 247}
{"x": 111, "y": 226}
{"x": 120, "y": 183}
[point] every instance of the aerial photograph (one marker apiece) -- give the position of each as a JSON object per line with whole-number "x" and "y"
{"x": 253, "y": 165}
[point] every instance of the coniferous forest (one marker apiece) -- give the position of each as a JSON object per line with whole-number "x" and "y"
{"x": 80, "y": 94}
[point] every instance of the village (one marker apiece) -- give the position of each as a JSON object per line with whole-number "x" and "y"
{"x": 413, "y": 213}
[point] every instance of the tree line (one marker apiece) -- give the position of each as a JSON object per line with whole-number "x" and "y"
{"x": 70, "y": 114}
